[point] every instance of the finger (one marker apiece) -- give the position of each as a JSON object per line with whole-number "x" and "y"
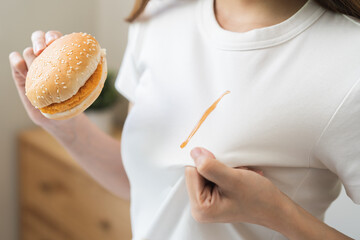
{"x": 29, "y": 56}
{"x": 212, "y": 169}
{"x": 195, "y": 184}
{"x": 51, "y": 36}
{"x": 18, "y": 65}
{"x": 258, "y": 171}
{"x": 245, "y": 168}
{"x": 38, "y": 41}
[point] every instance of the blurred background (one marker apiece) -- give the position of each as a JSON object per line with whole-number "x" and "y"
{"x": 43, "y": 193}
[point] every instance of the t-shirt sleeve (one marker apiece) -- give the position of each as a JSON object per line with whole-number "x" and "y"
{"x": 128, "y": 76}
{"x": 339, "y": 146}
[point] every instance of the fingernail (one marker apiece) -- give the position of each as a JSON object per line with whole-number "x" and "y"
{"x": 50, "y": 39}
{"x": 195, "y": 154}
{"x": 39, "y": 47}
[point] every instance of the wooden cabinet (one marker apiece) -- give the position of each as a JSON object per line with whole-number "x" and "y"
{"x": 60, "y": 201}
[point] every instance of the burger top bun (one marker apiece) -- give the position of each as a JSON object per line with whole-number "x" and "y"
{"x": 62, "y": 69}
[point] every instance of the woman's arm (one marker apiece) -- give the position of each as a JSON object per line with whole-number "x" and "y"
{"x": 245, "y": 196}
{"x": 300, "y": 224}
{"x": 96, "y": 152}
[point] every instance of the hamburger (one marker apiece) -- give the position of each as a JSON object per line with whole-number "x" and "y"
{"x": 67, "y": 77}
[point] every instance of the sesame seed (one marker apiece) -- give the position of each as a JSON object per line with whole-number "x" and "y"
{"x": 81, "y": 53}
{"x": 46, "y": 89}
{"x": 43, "y": 91}
{"x": 57, "y": 90}
{"x": 42, "y": 97}
{"x": 58, "y": 69}
{"x": 93, "y": 45}
{"x": 58, "y": 97}
{"x": 64, "y": 86}
{"x": 79, "y": 45}
{"x": 87, "y": 55}
{"x": 72, "y": 44}
{"x": 76, "y": 57}
{"x": 79, "y": 63}
{"x": 69, "y": 58}
{"x": 84, "y": 50}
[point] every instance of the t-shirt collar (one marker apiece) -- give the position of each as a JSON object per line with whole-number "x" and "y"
{"x": 256, "y": 38}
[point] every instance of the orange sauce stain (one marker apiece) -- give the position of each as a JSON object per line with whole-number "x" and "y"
{"x": 204, "y": 116}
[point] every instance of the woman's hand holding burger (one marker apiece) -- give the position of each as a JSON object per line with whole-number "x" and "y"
{"x": 85, "y": 142}
{"x": 219, "y": 193}
{"x": 20, "y": 66}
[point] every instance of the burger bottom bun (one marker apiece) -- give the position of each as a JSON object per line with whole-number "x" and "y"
{"x": 84, "y": 104}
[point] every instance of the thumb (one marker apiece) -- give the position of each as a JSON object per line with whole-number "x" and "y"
{"x": 212, "y": 169}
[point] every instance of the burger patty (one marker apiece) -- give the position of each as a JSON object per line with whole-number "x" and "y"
{"x": 80, "y": 96}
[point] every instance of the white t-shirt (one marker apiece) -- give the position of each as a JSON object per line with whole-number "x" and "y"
{"x": 293, "y": 111}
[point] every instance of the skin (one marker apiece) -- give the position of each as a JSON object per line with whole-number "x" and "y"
{"x": 246, "y": 15}
{"x": 217, "y": 193}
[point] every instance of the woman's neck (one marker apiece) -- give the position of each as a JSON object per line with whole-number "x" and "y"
{"x": 245, "y": 15}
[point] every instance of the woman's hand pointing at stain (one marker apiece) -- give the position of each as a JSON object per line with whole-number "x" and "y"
{"x": 219, "y": 193}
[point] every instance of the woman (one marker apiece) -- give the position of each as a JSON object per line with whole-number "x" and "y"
{"x": 293, "y": 116}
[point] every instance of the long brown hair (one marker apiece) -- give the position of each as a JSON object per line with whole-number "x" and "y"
{"x": 348, "y": 7}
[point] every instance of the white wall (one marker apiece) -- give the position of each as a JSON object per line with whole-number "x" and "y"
{"x": 344, "y": 215}
{"x": 112, "y": 29}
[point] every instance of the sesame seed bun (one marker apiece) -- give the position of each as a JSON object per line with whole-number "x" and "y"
{"x": 57, "y": 81}
{"x": 85, "y": 103}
